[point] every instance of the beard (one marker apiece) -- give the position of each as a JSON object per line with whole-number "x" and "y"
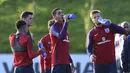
{"x": 99, "y": 25}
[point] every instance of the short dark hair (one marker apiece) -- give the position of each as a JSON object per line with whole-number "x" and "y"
{"x": 25, "y": 14}
{"x": 53, "y": 13}
{"x": 19, "y": 24}
{"x": 94, "y": 11}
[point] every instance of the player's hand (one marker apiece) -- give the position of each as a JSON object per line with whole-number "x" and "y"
{"x": 43, "y": 49}
{"x": 72, "y": 67}
{"x": 93, "y": 58}
{"x": 65, "y": 17}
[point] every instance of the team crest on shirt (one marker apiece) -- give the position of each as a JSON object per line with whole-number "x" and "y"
{"x": 107, "y": 30}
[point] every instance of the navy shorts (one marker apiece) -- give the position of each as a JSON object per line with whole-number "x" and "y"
{"x": 106, "y": 68}
{"x": 62, "y": 68}
{"x": 24, "y": 69}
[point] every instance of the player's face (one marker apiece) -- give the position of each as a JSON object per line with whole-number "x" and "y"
{"x": 126, "y": 27}
{"x": 59, "y": 15}
{"x": 29, "y": 20}
{"x": 94, "y": 18}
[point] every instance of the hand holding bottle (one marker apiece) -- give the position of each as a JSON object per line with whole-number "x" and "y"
{"x": 40, "y": 45}
{"x": 104, "y": 21}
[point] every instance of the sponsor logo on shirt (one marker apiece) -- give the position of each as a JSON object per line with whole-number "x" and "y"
{"x": 103, "y": 41}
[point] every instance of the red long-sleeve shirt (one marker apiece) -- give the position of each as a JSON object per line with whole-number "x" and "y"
{"x": 59, "y": 44}
{"x": 101, "y": 43}
{"x": 45, "y": 62}
{"x": 22, "y": 49}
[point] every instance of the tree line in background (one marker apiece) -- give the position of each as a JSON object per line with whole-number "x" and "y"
{"x": 10, "y": 10}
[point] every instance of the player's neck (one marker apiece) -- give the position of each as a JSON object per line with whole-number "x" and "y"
{"x": 99, "y": 26}
{"x": 21, "y": 31}
{"x": 59, "y": 22}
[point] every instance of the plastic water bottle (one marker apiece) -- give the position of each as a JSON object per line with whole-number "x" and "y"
{"x": 71, "y": 16}
{"x": 104, "y": 21}
{"x": 40, "y": 45}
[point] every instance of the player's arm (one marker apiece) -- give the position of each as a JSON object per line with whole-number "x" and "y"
{"x": 11, "y": 39}
{"x": 71, "y": 64}
{"x": 90, "y": 47}
{"x": 32, "y": 54}
{"x": 71, "y": 61}
{"x": 125, "y": 55}
{"x": 56, "y": 31}
{"x": 118, "y": 29}
{"x": 89, "y": 42}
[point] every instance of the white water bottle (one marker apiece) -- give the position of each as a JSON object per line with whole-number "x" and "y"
{"x": 104, "y": 21}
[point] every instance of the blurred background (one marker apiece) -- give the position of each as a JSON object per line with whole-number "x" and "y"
{"x": 115, "y": 10}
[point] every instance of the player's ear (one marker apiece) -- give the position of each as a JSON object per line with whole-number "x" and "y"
{"x": 54, "y": 17}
